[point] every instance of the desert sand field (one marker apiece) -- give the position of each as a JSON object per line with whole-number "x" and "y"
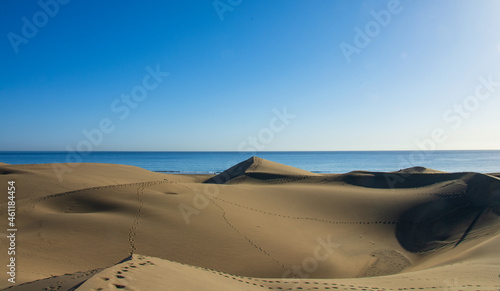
{"x": 257, "y": 226}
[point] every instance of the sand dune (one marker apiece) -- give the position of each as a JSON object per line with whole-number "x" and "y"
{"x": 260, "y": 169}
{"x": 257, "y": 225}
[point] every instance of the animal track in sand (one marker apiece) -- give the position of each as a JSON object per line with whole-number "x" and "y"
{"x": 241, "y": 234}
{"x": 143, "y": 184}
{"x": 305, "y": 218}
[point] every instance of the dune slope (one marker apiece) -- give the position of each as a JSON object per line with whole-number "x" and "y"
{"x": 258, "y": 223}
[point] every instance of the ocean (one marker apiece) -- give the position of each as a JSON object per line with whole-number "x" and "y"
{"x": 318, "y": 162}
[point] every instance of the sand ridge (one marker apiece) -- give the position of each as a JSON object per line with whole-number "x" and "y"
{"x": 258, "y": 168}
{"x": 259, "y": 225}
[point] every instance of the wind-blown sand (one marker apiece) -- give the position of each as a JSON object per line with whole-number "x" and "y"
{"x": 258, "y": 225}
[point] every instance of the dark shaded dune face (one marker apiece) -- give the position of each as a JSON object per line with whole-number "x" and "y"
{"x": 483, "y": 190}
{"x": 434, "y": 224}
{"x": 494, "y": 198}
{"x": 364, "y": 180}
{"x": 395, "y": 180}
{"x": 85, "y": 203}
{"x": 9, "y": 171}
{"x": 449, "y": 221}
{"x": 266, "y": 176}
{"x": 231, "y": 173}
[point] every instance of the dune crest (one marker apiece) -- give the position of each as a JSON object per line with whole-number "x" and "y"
{"x": 258, "y": 168}
{"x": 419, "y": 170}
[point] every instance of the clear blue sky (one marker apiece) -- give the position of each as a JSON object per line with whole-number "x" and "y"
{"x": 232, "y": 64}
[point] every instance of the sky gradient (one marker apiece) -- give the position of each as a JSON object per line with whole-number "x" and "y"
{"x": 235, "y": 75}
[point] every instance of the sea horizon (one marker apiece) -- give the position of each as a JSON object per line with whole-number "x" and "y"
{"x": 211, "y": 162}
{"x": 270, "y": 151}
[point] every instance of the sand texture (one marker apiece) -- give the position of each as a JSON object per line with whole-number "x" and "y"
{"x": 259, "y": 225}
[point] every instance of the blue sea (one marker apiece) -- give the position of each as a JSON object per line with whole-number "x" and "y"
{"x": 318, "y": 162}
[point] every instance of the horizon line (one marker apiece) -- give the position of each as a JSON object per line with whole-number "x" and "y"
{"x": 216, "y": 151}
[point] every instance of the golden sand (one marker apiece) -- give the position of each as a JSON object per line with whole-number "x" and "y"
{"x": 259, "y": 225}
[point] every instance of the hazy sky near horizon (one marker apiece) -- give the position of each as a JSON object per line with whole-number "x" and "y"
{"x": 235, "y": 75}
